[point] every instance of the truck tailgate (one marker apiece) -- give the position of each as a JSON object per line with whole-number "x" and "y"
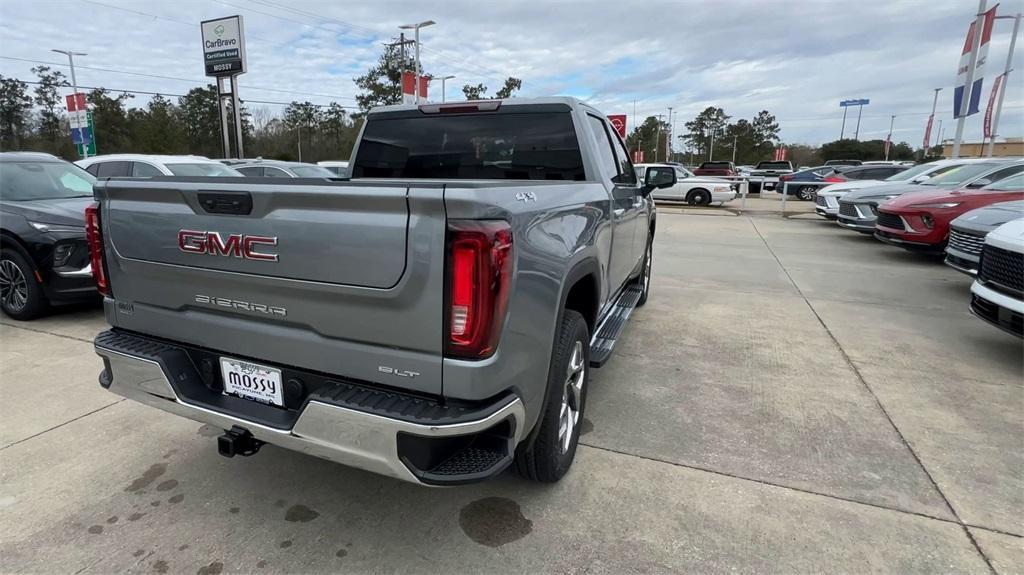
{"x": 337, "y": 277}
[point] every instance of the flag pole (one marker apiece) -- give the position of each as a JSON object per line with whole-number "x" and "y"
{"x": 1002, "y": 88}
{"x": 965, "y": 100}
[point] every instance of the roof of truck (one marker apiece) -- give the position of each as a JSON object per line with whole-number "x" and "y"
{"x": 567, "y": 100}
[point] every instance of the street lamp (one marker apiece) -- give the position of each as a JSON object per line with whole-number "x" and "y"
{"x": 416, "y": 28}
{"x": 74, "y": 82}
{"x": 443, "y": 78}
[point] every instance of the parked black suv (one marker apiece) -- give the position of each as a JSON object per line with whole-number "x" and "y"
{"x": 44, "y": 258}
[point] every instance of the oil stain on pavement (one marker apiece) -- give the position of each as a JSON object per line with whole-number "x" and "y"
{"x": 212, "y": 569}
{"x": 150, "y": 475}
{"x": 300, "y": 514}
{"x": 494, "y": 521}
{"x": 167, "y": 485}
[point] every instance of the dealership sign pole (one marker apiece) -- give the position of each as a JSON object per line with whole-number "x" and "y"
{"x": 224, "y": 58}
{"x": 860, "y": 106}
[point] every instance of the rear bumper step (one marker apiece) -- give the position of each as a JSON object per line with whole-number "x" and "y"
{"x": 408, "y": 437}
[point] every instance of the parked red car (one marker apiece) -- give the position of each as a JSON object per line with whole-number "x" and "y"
{"x": 919, "y": 221}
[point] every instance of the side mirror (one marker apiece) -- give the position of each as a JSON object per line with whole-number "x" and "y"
{"x": 980, "y": 183}
{"x": 660, "y": 177}
{"x": 920, "y": 179}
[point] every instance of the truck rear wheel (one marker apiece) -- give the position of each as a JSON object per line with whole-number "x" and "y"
{"x": 554, "y": 447}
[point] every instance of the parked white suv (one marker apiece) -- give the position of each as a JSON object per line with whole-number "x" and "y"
{"x": 147, "y": 165}
{"x": 997, "y": 296}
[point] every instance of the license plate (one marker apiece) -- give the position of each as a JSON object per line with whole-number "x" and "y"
{"x": 251, "y": 381}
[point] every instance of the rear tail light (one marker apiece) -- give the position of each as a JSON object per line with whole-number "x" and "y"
{"x": 835, "y": 179}
{"x": 94, "y": 237}
{"x": 785, "y": 178}
{"x": 479, "y": 274}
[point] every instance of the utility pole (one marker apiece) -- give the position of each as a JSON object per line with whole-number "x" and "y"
{"x": 965, "y": 101}
{"x": 1006, "y": 79}
{"x": 711, "y": 152}
{"x": 888, "y": 139}
{"x": 416, "y": 29}
{"x": 74, "y": 85}
{"x": 443, "y": 79}
{"x": 734, "y": 148}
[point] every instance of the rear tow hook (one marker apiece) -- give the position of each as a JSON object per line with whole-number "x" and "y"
{"x": 238, "y": 441}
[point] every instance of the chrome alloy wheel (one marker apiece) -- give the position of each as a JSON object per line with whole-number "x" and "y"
{"x": 13, "y": 286}
{"x": 572, "y": 396}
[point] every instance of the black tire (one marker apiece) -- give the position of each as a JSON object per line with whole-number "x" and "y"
{"x": 805, "y": 193}
{"x": 551, "y": 455}
{"x": 645, "y": 273}
{"x": 698, "y": 197}
{"x": 21, "y": 296}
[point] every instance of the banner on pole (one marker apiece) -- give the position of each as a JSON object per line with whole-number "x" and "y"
{"x": 638, "y": 156}
{"x": 619, "y": 123}
{"x": 888, "y": 142}
{"x": 79, "y": 119}
{"x": 928, "y": 132}
{"x": 991, "y": 105}
{"x": 409, "y": 88}
{"x": 965, "y": 62}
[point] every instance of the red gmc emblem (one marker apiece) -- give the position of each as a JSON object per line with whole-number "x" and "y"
{"x": 233, "y": 245}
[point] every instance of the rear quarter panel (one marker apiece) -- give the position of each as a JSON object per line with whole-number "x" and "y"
{"x": 555, "y": 227}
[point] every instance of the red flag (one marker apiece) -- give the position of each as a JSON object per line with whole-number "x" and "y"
{"x": 409, "y": 87}
{"x": 75, "y": 101}
{"x": 991, "y": 104}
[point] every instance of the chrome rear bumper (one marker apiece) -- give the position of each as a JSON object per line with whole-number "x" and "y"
{"x": 347, "y": 436}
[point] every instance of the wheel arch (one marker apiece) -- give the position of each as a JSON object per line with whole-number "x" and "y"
{"x": 581, "y": 282}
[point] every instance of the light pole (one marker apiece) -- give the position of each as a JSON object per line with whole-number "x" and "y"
{"x": 74, "y": 84}
{"x": 668, "y": 137}
{"x": 416, "y": 28}
{"x": 443, "y": 78}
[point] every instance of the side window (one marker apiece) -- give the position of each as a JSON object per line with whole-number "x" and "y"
{"x": 626, "y": 173}
{"x": 1004, "y": 173}
{"x": 141, "y": 169}
{"x": 604, "y": 150}
{"x": 252, "y": 172}
{"x": 275, "y": 172}
{"x": 93, "y": 169}
{"x": 112, "y": 169}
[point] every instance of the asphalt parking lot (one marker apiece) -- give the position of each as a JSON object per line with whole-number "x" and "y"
{"x": 794, "y": 398}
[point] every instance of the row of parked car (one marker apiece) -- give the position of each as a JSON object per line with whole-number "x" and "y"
{"x": 147, "y": 165}
{"x": 44, "y": 257}
{"x": 969, "y": 211}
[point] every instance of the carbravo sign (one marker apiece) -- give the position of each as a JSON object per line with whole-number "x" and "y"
{"x": 223, "y": 46}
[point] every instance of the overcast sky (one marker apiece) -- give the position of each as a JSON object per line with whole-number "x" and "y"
{"x": 797, "y": 59}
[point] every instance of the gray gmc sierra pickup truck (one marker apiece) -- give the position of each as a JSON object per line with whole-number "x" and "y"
{"x": 434, "y": 319}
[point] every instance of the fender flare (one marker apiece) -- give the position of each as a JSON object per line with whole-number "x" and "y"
{"x": 587, "y": 266}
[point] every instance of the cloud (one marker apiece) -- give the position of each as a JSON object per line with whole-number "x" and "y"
{"x": 795, "y": 59}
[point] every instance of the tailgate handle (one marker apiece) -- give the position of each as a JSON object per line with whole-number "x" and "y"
{"x": 239, "y": 203}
